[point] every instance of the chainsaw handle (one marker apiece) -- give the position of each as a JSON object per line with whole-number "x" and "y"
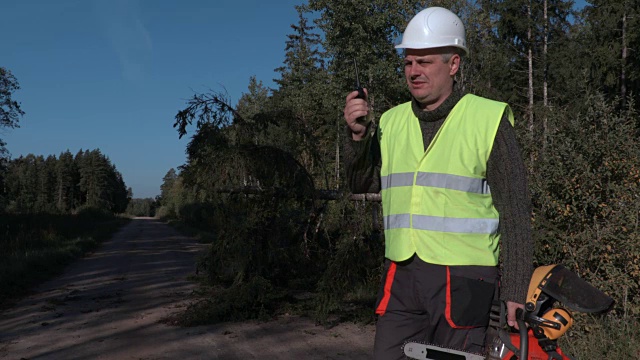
{"x": 502, "y": 334}
{"x": 524, "y": 337}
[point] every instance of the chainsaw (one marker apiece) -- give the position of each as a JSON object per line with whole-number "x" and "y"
{"x": 540, "y": 324}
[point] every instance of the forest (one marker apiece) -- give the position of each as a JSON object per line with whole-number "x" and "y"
{"x": 264, "y": 181}
{"x": 64, "y": 184}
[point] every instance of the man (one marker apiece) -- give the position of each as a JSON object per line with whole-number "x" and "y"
{"x": 454, "y": 197}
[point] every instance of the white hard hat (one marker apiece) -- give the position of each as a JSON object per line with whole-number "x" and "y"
{"x": 432, "y": 28}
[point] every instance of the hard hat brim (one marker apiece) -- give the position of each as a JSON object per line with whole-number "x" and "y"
{"x": 425, "y": 46}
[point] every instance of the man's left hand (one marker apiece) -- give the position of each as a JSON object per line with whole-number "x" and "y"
{"x": 511, "y": 313}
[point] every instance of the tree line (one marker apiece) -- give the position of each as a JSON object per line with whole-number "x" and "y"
{"x": 63, "y": 184}
{"x": 59, "y": 185}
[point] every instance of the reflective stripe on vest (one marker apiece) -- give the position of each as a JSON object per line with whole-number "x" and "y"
{"x": 442, "y": 224}
{"x": 445, "y": 181}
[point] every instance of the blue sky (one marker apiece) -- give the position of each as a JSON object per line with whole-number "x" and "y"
{"x": 111, "y": 74}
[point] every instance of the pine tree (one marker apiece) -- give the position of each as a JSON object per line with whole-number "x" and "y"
{"x": 613, "y": 46}
{"x": 29, "y": 189}
{"x": 302, "y": 118}
{"x": 167, "y": 183}
{"x": 67, "y": 182}
{"x": 45, "y": 169}
{"x": 101, "y": 185}
{"x": 254, "y": 108}
{"x": 366, "y": 33}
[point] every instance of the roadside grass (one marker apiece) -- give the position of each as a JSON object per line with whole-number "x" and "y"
{"x": 258, "y": 298}
{"x": 202, "y": 236}
{"x": 36, "y": 247}
{"x": 603, "y": 337}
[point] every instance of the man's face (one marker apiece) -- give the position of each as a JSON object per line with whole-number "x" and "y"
{"x": 429, "y": 77}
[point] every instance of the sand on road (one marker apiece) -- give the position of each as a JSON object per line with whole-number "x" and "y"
{"x": 109, "y": 305}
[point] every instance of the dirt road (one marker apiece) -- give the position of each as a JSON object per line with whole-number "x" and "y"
{"x": 109, "y": 306}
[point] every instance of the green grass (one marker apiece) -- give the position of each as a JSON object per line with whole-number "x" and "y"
{"x": 256, "y": 299}
{"x": 36, "y": 247}
{"x": 603, "y": 337}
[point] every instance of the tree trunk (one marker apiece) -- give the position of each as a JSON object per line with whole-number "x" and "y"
{"x": 545, "y": 100}
{"x": 337, "y": 165}
{"x": 530, "y": 60}
{"x": 623, "y": 85}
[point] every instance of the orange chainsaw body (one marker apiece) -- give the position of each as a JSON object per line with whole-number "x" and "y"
{"x": 535, "y": 351}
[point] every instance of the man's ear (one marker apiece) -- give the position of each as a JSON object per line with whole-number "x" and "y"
{"x": 454, "y": 64}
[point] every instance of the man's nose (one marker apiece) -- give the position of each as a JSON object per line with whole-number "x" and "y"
{"x": 413, "y": 69}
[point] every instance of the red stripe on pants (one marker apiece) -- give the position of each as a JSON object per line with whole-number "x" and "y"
{"x": 382, "y": 307}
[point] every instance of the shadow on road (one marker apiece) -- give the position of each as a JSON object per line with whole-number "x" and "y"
{"x": 109, "y": 306}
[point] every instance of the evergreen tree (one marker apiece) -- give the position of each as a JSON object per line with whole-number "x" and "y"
{"x": 254, "y": 108}
{"x": 252, "y": 104}
{"x": 301, "y": 99}
{"x": 67, "y": 183}
{"x": 20, "y": 184}
{"x": 365, "y": 32}
{"x": 94, "y": 178}
{"x": 613, "y": 40}
{"x": 10, "y": 111}
{"x": 117, "y": 196}
{"x": 303, "y": 62}
{"x": 29, "y": 178}
{"x": 45, "y": 169}
{"x": 167, "y": 183}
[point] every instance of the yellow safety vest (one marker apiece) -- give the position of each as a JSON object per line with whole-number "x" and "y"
{"x": 436, "y": 203}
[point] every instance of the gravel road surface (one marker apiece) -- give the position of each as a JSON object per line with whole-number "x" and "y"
{"x": 109, "y": 305}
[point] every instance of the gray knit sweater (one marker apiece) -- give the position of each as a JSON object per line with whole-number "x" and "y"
{"x": 506, "y": 175}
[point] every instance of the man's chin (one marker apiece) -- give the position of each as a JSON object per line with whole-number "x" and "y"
{"x": 422, "y": 99}
{"x": 423, "y": 102}
{"x": 419, "y": 93}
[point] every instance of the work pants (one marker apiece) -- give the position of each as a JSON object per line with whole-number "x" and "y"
{"x": 443, "y": 305}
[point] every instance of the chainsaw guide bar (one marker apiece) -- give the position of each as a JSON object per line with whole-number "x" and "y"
{"x": 416, "y": 350}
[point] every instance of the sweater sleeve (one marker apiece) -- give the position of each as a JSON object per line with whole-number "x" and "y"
{"x": 507, "y": 178}
{"x": 362, "y": 163}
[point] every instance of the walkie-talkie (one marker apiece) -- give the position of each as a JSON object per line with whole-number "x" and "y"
{"x": 361, "y": 93}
